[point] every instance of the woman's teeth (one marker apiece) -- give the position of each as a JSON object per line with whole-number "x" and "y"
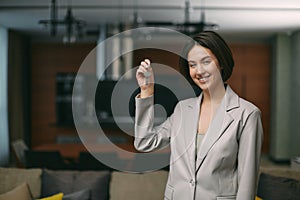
{"x": 204, "y": 78}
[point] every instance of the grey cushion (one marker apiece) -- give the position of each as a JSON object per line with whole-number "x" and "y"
{"x": 80, "y": 195}
{"x": 278, "y": 188}
{"x": 72, "y": 181}
{"x": 54, "y": 182}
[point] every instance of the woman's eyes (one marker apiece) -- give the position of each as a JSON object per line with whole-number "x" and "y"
{"x": 206, "y": 62}
{"x": 193, "y": 65}
{"x": 203, "y": 63}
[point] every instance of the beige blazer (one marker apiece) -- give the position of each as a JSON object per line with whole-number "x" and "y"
{"x": 228, "y": 159}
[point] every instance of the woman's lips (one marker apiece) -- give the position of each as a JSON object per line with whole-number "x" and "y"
{"x": 203, "y": 79}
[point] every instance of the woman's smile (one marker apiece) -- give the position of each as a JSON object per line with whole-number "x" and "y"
{"x": 203, "y": 78}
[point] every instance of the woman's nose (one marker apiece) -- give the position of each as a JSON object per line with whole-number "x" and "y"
{"x": 199, "y": 69}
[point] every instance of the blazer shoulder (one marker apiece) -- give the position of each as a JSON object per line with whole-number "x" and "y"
{"x": 248, "y": 106}
{"x": 235, "y": 103}
{"x": 246, "y": 109}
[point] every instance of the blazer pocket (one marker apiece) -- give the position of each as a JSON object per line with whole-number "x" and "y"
{"x": 231, "y": 197}
{"x": 169, "y": 193}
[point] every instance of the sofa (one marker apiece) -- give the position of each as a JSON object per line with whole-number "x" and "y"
{"x": 28, "y": 184}
{"x": 19, "y": 184}
{"x": 279, "y": 183}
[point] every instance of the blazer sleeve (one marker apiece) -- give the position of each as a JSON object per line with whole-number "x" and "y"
{"x": 147, "y": 137}
{"x": 250, "y": 143}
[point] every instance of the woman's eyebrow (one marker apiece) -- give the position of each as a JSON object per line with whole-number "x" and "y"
{"x": 206, "y": 57}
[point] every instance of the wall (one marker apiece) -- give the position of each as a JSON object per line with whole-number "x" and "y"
{"x": 250, "y": 79}
{"x": 4, "y": 142}
{"x": 281, "y": 77}
{"x": 285, "y": 97}
{"x": 19, "y": 86}
{"x": 295, "y": 95}
{"x": 47, "y": 60}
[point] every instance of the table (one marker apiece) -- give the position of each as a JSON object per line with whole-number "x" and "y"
{"x": 73, "y": 150}
{"x": 124, "y": 151}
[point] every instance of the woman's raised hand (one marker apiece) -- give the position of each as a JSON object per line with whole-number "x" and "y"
{"x": 145, "y": 78}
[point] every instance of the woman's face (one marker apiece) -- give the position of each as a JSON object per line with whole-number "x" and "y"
{"x": 204, "y": 68}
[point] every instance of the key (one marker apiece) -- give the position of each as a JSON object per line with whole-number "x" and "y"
{"x": 147, "y": 74}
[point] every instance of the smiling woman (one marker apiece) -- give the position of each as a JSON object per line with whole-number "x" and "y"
{"x": 215, "y": 138}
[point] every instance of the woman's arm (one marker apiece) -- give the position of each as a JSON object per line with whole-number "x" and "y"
{"x": 148, "y": 137}
{"x": 250, "y": 143}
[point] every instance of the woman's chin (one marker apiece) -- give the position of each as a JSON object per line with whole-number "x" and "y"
{"x": 203, "y": 85}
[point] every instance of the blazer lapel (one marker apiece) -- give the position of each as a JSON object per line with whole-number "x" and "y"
{"x": 190, "y": 130}
{"x": 215, "y": 131}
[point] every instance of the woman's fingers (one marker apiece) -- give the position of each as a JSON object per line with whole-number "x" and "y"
{"x": 144, "y": 66}
{"x": 147, "y": 61}
{"x": 144, "y": 74}
{"x": 141, "y": 70}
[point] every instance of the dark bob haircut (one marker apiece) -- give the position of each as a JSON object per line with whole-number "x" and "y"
{"x": 217, "y": 45}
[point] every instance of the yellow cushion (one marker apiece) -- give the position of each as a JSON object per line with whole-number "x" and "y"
{"x": 58, "y": 196}
{"x": 257, "y": 198}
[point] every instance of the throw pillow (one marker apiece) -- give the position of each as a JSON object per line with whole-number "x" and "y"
{"x": 277, "y": 188}
{"x": 80, "y": 195}
{"x": 96, "y": 181}
{"x": 72, "y": 181}
{"x": 149, "y": 185}
{"x": 58, "y": 196}
{"x": 13, "y": 177}
{"x": 54, "y": 182}
{"x": 21, "y": 192}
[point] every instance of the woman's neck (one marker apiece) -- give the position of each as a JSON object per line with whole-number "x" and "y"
{"x": 215, "y": 96}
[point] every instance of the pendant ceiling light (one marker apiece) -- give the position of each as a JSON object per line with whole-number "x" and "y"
{"x": 73, "y": 27}
{"x": 187, "y": 27}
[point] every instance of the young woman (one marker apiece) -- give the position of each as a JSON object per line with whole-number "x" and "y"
{"x": 215, "y": 139}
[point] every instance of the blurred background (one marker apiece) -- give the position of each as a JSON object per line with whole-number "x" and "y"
{"x": 43, "y": 44}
